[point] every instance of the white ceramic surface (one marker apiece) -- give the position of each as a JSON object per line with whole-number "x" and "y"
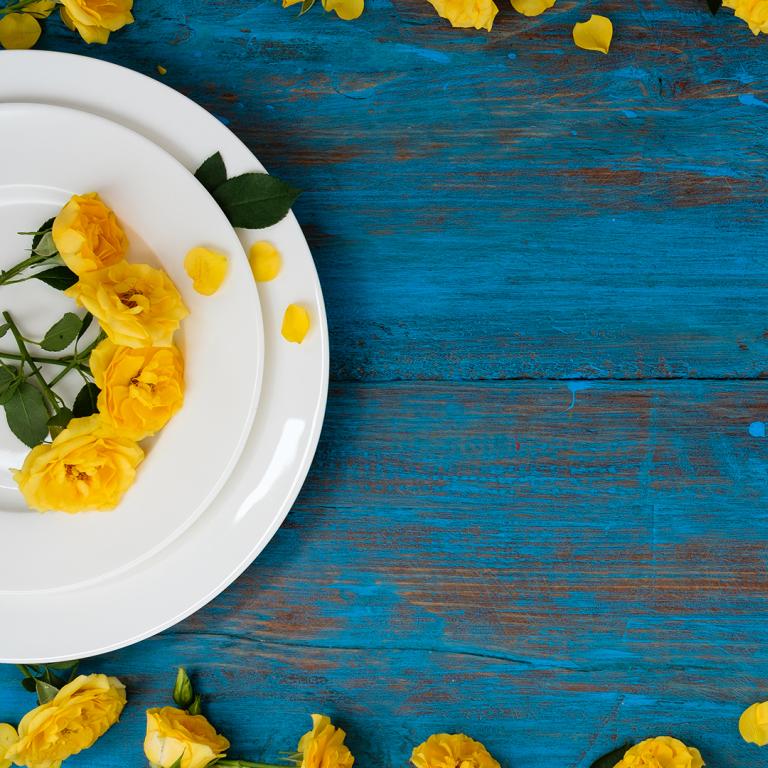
{"x": 235, "y": 527}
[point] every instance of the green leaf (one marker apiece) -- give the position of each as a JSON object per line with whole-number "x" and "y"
{"x": 63, "y": 664}
{"x": 85, "y": 325}
{"x": 255, "y": 200}
{"x": 4, "y": 329}
{"x": 45, "y": 691}
{"x": 56, "y": 425}
{"x": 9, "y": 382}
{"x": 212, "y": 173}
{"x": 62, "y": 333}
{"x": 45, "y": 246}
{"x": 85, "y": 402}
{"x": 183, "y": 694}
{"x": 26, "y": 415}
{"x": 305, "y": 6}
{"x": 59, "y": 278}
{"x": 610, "y": 760}
{"x": 196, "y": 707}
{"x": 177, "y": 764}
{"x": 30, "y": 684}
{"x": 46, "y": 226}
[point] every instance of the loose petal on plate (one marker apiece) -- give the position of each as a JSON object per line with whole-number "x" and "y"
{"x": 8, "y": 737}
{"x": 465, "y": 14}
{"x": 265, "y": 261}
{"x": 207, "y": 269}
{"x": 345, "y": 9}
{"x": 532, "y": 7}
{"x": 295, "y": 323}
{"x": 594, "y": 35}
{"x": 19, "y": 31}
{"x": 753, "y": 724}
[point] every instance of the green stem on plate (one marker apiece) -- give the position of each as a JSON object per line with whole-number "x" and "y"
{"x": 78, "y": 361}
{"x": 42, "y": 360}
{"x": 34, "y": 259}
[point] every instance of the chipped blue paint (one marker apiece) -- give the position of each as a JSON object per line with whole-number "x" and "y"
{"x": 573, "y": 388}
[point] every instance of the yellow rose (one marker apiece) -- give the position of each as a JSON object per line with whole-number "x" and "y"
{"x": 532, "y": 7}
{"x": 173, "y": 733}
{"x": 135, "y": 304}
{"x": 345, "y": 9}
{"x": 449, "y": 750}
{"x": 324, "y": 747}
{"x": 467, "y": 13}
{"x": 80, "y": 713}
{"x": 753, "y": 724}
{"x": 141, "y": 389}
{"x": 8, "y": 737}
{"x": 95, "y": 19}
{"x": 661, "y": 752}
{"x": 87, "y": 235}
{"x": 87, "y": 466}
{"x": 754, "y": 12}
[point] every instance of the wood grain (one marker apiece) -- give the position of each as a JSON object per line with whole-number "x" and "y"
{"x": 537, "y": 510}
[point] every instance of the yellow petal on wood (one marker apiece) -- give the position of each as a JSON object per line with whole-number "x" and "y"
{"x": 753, "y": 724}
{"x": 207, "y": 269}
{"x": 265, "y": 261}
{"x": 345, "y": 9}
{"x": 295, "y": 323}
{"x": 19, "y": 31}
{"x": 8, "y": 737}
{"x": 532, "y": 7}
{"x": 595, "y": 34}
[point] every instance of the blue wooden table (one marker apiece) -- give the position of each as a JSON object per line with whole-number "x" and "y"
{"x": 538, "y": 509}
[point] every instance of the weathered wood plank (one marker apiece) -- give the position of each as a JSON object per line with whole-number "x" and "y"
{"x": 503, "y": 205}
{"x": 480, "y": 557}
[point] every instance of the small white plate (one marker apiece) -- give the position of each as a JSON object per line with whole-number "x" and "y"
{"x": 165, "y": 211}
{"x": 226, "y": 538}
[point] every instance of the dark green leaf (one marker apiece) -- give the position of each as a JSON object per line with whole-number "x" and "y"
{"x": 30, "y": 684}
{"x": 62, "y": 333}
{"x": 196, "y": 707}
{"x": 9, "y": 381}
{"x": 63, "y": 664}
{"x": 56, "y": 425}
{"x": 305, "y": 6}
{"x": 73, "y": 672}
{"x": 46, "y": 226}
{"x": 177, "y": 764}
{"x": 183, "y": 694}
{"x": 85, "y": 402}
{"x": 85, "y": 325}
{"x": 610, "y": 760}
{"x": 59, "y": 278}
{"x": 4, "y": 329}
{"x": 715, "y": 5}
{"x": 45, "y": 246}
{"x": 45, "y": 691}
{"x": 26, "y": 415}
{"x": 255, "y": 200}
{"x": 212, "y": 173}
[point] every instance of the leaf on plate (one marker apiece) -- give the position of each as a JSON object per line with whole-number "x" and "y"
{"x": 212, "y": 173}
{"x": 26, "y": 415}
{"x": 9, "y": 382}
{"x": 85, "y": 402}
{"x": 610, "y": 760}
{"x": 255, "y": 200}
{"x": 46, "y": 226}
{"x": 59, "y": 278}
{"x": 45, "y": 246}
{"x": 58, "y": 423}
{"x": 4, "y": 329}
{"x": 62, "y": 333}
{"x": 85, "y": 325}
{"x": 45, "y": 691}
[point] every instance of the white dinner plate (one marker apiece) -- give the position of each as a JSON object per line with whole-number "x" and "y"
{"x": 165, "y": 212}
{"x": 175, "y": 581}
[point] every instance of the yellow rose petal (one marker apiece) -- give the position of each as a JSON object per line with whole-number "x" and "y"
{"x": 95, "y": 19}
{"x": 442, "y": 749}
{"x": 324, "y": 746}
{"x": 8, "y": 737}
{"x": 207, "y": 269}
{"x": 161, "y": 70}
{"x": 19, "y": 31}
{"x": 661, "y": 751}
{"x": 295, "y": 323}
{"x": 345, "y": 9}
{"x": 754, "y": 12}
{"x": 465, "y": 14}
{"x": 174, "y": 735}
{"x": 265, "y": 261}
{"x": 532, "y": 7}
{"x": 41, "y": 9}
{"x": 594, "y": 35}
{"x": 753, "y": 724}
